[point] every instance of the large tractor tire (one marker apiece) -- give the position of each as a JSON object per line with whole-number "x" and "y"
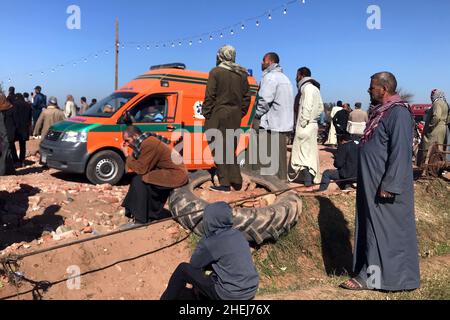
{"x": 258, "y": 224}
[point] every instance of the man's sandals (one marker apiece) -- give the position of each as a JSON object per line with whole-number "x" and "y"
{"x": 355, "y": 284}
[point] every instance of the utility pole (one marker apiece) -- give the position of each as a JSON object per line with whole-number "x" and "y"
{"x": 117, "y": 55}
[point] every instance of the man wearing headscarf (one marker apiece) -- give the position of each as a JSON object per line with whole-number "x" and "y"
{"x": 51, "y": 115}
{"x": 386, "y": 253}
{"x": 227, "y": 101}
{"x": 436, "y": 125}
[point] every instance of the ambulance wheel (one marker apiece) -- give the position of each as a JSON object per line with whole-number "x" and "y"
{"x": 105, "y": 167}
{"x": 259, "y": 225}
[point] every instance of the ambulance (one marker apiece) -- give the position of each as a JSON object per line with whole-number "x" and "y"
{"x": 167, "y": 100}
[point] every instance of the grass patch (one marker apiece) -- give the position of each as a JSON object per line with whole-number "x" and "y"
{"x": 319, "y": 249}
{"x": 193, "y": 241}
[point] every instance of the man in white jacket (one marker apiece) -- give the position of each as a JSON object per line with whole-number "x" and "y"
{"x": 305, "y": 163}
{"x": 70, "y": 108}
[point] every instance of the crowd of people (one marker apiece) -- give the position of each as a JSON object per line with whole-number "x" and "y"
{"x": 24, "y": 115}
{"x": 374, "y": 149}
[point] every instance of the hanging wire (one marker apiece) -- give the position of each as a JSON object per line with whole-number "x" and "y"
{"x": 242, "y": 25}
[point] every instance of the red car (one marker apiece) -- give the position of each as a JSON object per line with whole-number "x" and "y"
{"x": 419, "y": 111}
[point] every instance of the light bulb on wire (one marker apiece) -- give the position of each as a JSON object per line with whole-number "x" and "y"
{"x": 257, "y": 23}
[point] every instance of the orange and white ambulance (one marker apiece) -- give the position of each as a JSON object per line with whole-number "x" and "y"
{"x": 166, "y": 100}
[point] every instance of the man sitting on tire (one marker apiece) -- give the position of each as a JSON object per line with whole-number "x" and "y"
{"x": 159, "y": 170}
{"x": 226, "y": 251}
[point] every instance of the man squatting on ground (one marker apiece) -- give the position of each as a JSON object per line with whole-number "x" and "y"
{"x": 159, "y": 170}
{"x": 224, "y": 251}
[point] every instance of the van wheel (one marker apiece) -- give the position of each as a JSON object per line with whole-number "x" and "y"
{"x": 105, "y": 167}
{"x": 258, "y": 224}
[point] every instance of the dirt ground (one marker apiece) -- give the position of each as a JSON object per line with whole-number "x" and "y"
{"x": 41, "y": 208}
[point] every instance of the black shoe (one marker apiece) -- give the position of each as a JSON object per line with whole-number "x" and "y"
{"x": 221, "y": 189}
{"x": 237, "y": 187}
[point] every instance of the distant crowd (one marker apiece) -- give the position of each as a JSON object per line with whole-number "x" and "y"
{"x": 25, "y": 115}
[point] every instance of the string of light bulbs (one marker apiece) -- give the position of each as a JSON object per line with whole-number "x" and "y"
{"x": 221, "y": 33}
{"x": 189, "y": 41}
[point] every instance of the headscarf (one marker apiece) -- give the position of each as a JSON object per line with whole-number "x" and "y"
{"x": 137, "y": 145}
{"x": 226, "y": 58}
{"x": 4, "y": 103}
{"x": 379, "y": 112}
{"x": 437, "y": 94}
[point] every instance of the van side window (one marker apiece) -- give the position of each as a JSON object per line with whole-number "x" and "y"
{"x": 153, "y": 109}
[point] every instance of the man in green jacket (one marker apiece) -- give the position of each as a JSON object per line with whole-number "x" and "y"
{"x": 436, "y": 125}
{"x": 227, "y": 101}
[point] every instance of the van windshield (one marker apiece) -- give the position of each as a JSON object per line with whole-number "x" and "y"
{"x": 107, "y": 107}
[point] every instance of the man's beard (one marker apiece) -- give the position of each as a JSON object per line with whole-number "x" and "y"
{"x": 374, "y": 101}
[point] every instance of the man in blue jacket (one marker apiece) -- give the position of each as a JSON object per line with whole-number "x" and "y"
{"x": 224, "y": 250}
{"x": 39, "y": 103}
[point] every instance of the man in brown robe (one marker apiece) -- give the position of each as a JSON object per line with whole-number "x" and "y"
{"x": 159, "y": 170}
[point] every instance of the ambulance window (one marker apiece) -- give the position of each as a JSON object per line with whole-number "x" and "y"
{"x": 110, "y": 105}
{"x": 153, "y": 109}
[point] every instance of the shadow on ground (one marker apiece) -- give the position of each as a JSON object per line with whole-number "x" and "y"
{"x": 337, "y": 249}
{"x": 15, "y": 227}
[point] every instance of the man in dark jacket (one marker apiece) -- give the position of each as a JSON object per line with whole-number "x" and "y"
{"x": 10, "y": 124}
{"x": 39, "y": 103}
{"x": 346, "y": 163}
{"x": 226, "y": 251}
{"x": 11, "y": 94}
{"x": 6, "y": 162}
{"x": 22, "y": 120}
{"x": 340, "y": 120}
{"x": 227, "y": 101}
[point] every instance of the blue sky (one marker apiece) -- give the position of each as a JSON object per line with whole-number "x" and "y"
{"x": 329, "y": 36}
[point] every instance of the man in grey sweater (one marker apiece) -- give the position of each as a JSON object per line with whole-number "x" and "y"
{"x": 224, "y": 250}
{"x": 274, "y": 116}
